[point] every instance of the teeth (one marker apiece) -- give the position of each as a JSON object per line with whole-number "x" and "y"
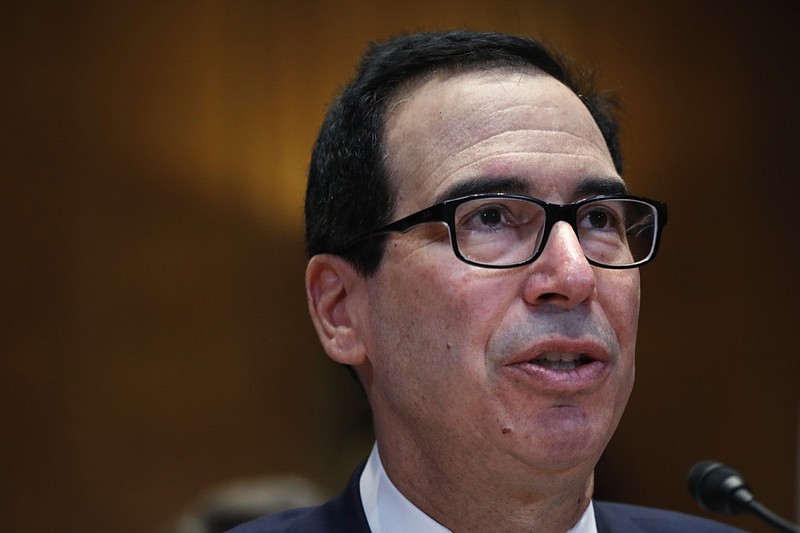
{"x": 554, "y": 357}
{"x": 560, "y": 361}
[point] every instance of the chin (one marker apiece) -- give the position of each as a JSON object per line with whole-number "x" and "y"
{"x": 565, "y": 438}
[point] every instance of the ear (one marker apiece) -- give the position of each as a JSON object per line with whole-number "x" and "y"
{"x": 336, "y": 293}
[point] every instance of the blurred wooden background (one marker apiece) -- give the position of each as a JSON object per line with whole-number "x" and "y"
{"x": 155, "y": 340}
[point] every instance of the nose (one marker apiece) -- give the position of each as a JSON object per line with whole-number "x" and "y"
{"x": 561, "y": 275}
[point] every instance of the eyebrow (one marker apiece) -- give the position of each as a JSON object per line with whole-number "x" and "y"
{"x": 601, "y": 187}
{"x": 482, "y": 185}
{"x": 595, "y": 186}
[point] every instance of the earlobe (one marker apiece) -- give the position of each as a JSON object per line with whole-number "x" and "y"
{"x": 333, "y": 289}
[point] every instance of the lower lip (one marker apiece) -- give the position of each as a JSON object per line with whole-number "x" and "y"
{"x": 582, "y": 377}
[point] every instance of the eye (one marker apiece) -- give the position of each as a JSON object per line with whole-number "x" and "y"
{"x": 490, "y": 216}
{"x": 487, "y": 217}
{"x": 600, "y": 217}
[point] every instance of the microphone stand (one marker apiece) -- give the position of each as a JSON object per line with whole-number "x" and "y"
{"x": 777, "y": 522}
{"x": 721, "y": 489}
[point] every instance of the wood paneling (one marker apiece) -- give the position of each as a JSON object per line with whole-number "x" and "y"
{"x": 155, "y": 338}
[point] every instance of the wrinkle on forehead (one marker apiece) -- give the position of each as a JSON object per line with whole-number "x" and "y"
{"x": 451, "y": 125}
{"x": 429, "y": 88}
{"x": 552, "y": 147}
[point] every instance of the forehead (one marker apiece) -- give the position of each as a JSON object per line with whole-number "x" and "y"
{"x": 487, "y": 126}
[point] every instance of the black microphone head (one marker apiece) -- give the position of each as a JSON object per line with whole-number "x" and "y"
{"x": 719, "y": 488}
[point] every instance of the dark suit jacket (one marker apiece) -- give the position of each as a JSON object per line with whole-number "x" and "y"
{"x": 344, "y": 514}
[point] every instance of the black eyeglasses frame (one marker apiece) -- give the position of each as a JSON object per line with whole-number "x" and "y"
{"x": 445, "y": 212}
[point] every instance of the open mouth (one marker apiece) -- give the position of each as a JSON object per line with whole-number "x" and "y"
{"x": 561, "y": 361}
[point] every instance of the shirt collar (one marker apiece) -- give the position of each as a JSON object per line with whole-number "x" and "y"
{"x": 388, "y": 511}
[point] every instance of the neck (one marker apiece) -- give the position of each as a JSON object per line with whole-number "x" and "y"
{"x": 468, "y": 495}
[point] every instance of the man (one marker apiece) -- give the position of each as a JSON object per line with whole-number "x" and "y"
{"x": 474, "y": 258}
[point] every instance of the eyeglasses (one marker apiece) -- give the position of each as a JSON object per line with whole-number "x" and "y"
{"x": 508, "y": 230}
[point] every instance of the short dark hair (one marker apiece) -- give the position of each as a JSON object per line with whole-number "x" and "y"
{"x": 349, "y": 192}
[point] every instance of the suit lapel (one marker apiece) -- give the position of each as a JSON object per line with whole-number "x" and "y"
{"x": 345, "y": 513}
{"x": 611, "y": 522}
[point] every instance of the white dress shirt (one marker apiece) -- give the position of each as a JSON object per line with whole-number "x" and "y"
{"x": 388, "y": 511}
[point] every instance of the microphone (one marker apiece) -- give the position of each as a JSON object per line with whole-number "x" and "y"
{"x": 721, "y": 489}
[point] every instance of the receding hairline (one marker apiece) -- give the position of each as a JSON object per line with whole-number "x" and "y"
{"x": 402, "y": 93}
{"x": 404, "y": 90}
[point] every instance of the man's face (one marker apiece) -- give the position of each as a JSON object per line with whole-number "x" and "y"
{"x": 456, "y": 367}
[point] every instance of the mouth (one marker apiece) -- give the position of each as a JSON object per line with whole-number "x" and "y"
{"x": 562, "y": 367}
{"x": 560, "y": 361}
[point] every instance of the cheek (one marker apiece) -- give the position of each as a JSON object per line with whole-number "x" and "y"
{"x": 618, "y": 298}
{"x": 405, "y": 318}
{"x": 619, "y": 295}
{"x": 429, "y": 284}
{"x": 409, "y": 347}
{"x": 433, "y": 313}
